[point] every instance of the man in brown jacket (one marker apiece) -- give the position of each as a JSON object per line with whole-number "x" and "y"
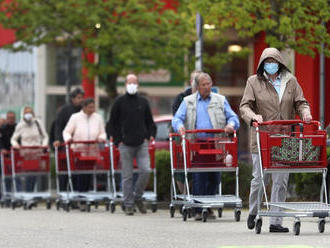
{"x": 272, "y": 94}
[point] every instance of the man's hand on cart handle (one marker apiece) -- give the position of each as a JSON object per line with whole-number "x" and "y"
{"x": 182, "y": 130}
{"x": 307, "y": 117}
{"x": 229, "y": 129}
{"x": 56, "y": 143}
{"x": 100, "y": 140}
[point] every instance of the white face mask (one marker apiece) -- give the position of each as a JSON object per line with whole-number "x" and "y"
{"x": 131, "y": 88}
{"x": 28, "y": 116}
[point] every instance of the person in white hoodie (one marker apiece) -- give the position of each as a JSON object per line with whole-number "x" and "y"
{"x": 85, "y": 125}
{"x": 29, "y": 132}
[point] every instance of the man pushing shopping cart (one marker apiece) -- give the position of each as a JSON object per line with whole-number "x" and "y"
{"x": 205, "y": 110}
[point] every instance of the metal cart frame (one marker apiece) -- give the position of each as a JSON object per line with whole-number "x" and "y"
{"x": 149, "y": 196}
{"x": 101, "y": 166}
{"x": 265, "y": 141}
{"x": 35, "y": 164}
{"x": 183, "y": 152}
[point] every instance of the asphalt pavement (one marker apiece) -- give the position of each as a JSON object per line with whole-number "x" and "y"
{"x": 51, "y": 228}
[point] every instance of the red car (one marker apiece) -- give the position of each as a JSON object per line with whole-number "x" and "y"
{"x": 163, "y": 123}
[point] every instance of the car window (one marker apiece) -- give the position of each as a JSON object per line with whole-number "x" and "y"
{"x": 162, "y": 130}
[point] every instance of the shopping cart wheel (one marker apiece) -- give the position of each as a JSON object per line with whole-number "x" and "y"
{"x": 96, "y": 205}
{"x": 321, "y": 226}
{"x": 258, "y": 226}
{"x": 88, "y": 206}
{"x": 112, "y": 207}
{"x": 58, "y": 205}
{"x": 107, "y": 206}
{"x": 172, "y": 211}
{"x": 237, "y": 215}
{"x": 66, "y": 207}
{"x": 296, "y": 228}
{"x": 184, "y": 214}
{"x": 219, "y": 212}
{"x": 154, "y": 208}
{"x": 181, "y": 208}
{"x": 49, "y": 205}
{"x": 25, "y": 206}
{"x": 204, "y": 215}
{"x": 13, "y": 205}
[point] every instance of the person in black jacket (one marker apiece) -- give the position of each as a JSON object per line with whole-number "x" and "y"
{"x": 179, "y": 177}
{"x": 64, "y": 114}
{"x": 131, "y": 126}
{"x": 6, "y": 131}
{"x": 62, "y": 118}
{"x": 192, "y": 89}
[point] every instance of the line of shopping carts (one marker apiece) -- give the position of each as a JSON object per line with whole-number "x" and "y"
{"x": 286, "y": 146}
{"x": 26, "y": 176}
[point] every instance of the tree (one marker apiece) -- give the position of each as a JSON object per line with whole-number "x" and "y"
{"x": 126, "y": 33}
{"x": 299, "y": 25}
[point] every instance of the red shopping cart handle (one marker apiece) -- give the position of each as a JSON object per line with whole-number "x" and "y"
{"x": 30, "y": 147}
{"x": 85, "y": 142}
{"x": 284, "y": 122}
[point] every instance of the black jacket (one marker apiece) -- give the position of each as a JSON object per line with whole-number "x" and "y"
{"x": 62, "y": 119}
{"x": 131, "y": 120}
{"x": 179, "y": 98}
{"x": 6, "y": 131}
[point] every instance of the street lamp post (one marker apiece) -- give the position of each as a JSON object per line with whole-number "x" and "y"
{"x": 199, "y": 43}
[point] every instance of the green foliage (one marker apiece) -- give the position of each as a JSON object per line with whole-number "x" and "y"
{"x": 307, "y": 185}
{"x": 131, "y": 32}
{"x": 245, "y": 176}
{"x": 163, "y": 167}
{"x": 288, "y": 24}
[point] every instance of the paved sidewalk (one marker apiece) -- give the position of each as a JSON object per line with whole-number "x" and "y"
{"x": 51, "y": 228}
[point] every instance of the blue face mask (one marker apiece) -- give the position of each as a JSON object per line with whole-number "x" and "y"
{"x": 271, "y": 68}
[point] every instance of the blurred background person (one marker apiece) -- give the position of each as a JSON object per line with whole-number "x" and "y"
{"x": 58, "y": 125}
{"x": 6, "y": 132}
{"x": 85, "y": 125}
{"x": 176, "y": 104}
{"x": 29, "y": 132}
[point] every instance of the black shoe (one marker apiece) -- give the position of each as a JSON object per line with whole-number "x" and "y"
{"x": 140, "y": 205}
{"x": 129, "y": 210}
{"x": 250, "y": 221}
{"x": 278, "y": 228}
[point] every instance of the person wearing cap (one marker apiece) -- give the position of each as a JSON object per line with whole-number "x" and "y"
{"x": 271, "y": 94}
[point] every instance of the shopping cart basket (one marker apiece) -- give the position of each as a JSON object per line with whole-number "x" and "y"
{"x": 30, "y": 167}
{"x": 215, "y": 152}
{"x": 292, "y": 146}
{"x": 150, "y": 196}
{"x": 82, "y": 158}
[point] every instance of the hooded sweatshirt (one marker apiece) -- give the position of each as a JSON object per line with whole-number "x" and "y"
{"x": 261, "y": 98}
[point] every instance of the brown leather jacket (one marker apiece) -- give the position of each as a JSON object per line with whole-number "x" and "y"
{"x": 261, "y": 98}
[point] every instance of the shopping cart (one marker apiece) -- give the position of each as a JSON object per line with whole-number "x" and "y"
{"x": 31, "y": 182}
{"x": 150, "y": 196}
{"x": 82, "y": 158}
{"x": 6, "y": 179}
{"x": 215, "y": 152}
{"x": 292, "y": 146}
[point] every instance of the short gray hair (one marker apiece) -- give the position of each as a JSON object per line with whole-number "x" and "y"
{"x": 202, "y": 75}
{"x": 193, "y": 77}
